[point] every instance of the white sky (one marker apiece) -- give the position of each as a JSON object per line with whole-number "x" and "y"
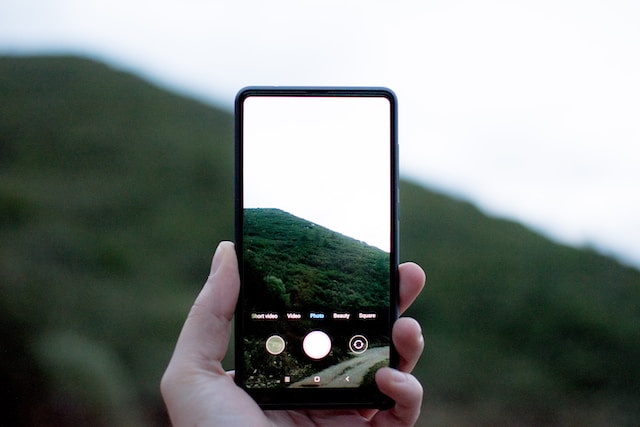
{"x": 322, "y": 159}
{"x": 530, "y": 109}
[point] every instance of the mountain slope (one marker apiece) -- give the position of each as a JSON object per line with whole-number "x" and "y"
{"x": 113, "y": 195}
{"x": 542, "y": 330}
{"x": 314, "y": 266}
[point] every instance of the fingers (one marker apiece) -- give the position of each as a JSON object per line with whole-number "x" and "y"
{"x": 407, "y": 334}
{"x": 400, "y": 386}
{"x": 408, "y": 341}
{"x": 406, "y": 391}
{"x": 205, "y": 335}
{"x": 412, "y": 280}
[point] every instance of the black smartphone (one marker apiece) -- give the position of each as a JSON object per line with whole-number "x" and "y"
{"x": 316, "y": 238}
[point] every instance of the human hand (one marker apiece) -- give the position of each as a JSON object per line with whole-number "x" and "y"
{"x": 197, "y": 390}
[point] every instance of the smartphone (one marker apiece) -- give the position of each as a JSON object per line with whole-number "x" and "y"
{"x": 317, "y": 241}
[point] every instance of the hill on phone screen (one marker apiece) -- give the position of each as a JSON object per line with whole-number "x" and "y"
{"x": 290, "y": 260}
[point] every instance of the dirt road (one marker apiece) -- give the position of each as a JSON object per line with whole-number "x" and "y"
{"x": 349, "y": 373}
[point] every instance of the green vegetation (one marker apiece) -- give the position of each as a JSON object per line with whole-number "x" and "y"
{"x": 290, "y": 261}
{"x": 113, "y": 195}
{"x": 520, "y": 330}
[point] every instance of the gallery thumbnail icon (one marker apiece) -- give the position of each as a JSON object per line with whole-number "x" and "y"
{"x": 275, "y": 344}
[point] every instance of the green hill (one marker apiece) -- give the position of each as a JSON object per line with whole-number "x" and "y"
{"x": 520, "y": 331}
{"x": 113, "y": 195}
{"x": 312, "y": 264}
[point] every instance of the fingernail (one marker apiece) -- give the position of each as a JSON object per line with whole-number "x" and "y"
{"x": 217, "y": 259}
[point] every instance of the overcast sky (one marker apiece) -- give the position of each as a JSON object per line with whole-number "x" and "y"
{"x": 529, "y": 109}
{"x": 326, "y": 160}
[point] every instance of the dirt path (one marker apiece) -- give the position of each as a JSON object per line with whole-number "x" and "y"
{"x": 349, "y": 373}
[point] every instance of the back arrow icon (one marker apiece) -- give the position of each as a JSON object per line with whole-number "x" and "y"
{"x": 346, "y": 378}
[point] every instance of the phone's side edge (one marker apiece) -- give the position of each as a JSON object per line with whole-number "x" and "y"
{"x": 394, "y": 358}
{"x": 238, "y": 231}
{"x": 395, "y": 220}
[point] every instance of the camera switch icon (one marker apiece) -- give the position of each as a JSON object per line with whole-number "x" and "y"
{"x": 358, "y": 344}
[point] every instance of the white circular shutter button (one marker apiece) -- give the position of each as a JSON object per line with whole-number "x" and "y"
{"x": 316, "y": 344}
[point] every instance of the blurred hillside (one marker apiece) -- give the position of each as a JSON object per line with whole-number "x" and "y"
{"x": 113, "y": 196}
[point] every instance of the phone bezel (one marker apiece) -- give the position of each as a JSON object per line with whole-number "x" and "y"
{"x": 272, "y": 398}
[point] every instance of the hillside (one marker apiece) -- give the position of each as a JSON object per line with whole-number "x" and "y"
{"x": 319, "y": 266}
{"x": 113, "y": 195}
{"x": 520, "y": 328}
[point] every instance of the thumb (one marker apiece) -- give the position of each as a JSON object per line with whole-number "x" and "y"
{"x": 206, "y": 332}
{"x": 190, "y": 384}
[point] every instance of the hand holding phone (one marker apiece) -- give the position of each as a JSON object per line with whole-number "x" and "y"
{"x": 195, "y": 387}
{"x": 197, "y": 390}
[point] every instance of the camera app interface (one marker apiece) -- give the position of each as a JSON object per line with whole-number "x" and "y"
{"x": 316, "y": 240}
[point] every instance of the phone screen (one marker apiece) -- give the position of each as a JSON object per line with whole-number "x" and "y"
{"x": 316, "y": 236}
